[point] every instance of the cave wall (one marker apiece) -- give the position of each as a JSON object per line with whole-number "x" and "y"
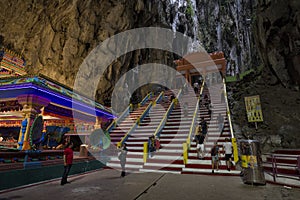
{"x": 277, "y": 34}
{"x": 55, "y": 36}
{"x": 228, "y": 26}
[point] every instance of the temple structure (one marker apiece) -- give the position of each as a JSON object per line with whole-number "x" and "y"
{"x": 26, "y": 99}
{"x": 11, "y": 64}
{"x": 197, "y": 64}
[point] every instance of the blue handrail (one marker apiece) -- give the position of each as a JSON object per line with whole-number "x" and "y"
{"x": 166, "y": 116}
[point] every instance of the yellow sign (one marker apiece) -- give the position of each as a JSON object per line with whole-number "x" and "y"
{"x": 253, "y": 108}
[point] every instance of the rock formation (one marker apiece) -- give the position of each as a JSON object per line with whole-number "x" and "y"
{"x": 56, "y": 36}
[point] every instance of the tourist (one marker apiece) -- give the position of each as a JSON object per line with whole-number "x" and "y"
{"x": 122, "y": 157}
{"x": 68, "y": 161}
{"x": 185, "y": 109}
{"x": 220, "y": 121}
{"x": 198, "y": 132}
{"x": 157, "y": 143}
{"x": 200, "y": 146}
{"x": 196, "y": 87}
{"x": 1, "y": 138}
{"x": 152, "y": 145}
{"x": 210, "y": 107}
{"x": 172, "y": 97}
{"x": 228, "y": 152}
{"x": 204, "y": 127}
{"x": 215, "y": 157}
{"x": 222, "y": 95}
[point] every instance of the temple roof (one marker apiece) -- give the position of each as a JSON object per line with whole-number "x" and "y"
{"x": 203, "y": 61}
{"x": 59, "y": 95}
{"x": 11, "y": 64}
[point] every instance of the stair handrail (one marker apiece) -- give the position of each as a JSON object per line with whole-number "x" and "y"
{"x": 145, "y": 144}
{"x": 233, "y": 139}
{"x": 125, "y": 113}
{"x": 117, "y": 120}
{"x": 227, "y": 109}
{"x": 167, "y": 114}
{"x": 146, "y": 111}
{"x": 187, "y": 145}
{"x": 158, "y": 99}
{"x": 146, "y": 98}
{"x": 137, "y": 122}
{"x": 192, "y": 128}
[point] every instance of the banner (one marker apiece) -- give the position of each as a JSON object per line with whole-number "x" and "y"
{"x": 253, "y": 108}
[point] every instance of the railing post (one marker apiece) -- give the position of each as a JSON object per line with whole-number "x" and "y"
{"x": 145, "y": 155}
{"x": 273, "y": 168}
{"x": 185, "y": 153}
{"x": 131, "y": 107}
{"x": 119, "y": 144}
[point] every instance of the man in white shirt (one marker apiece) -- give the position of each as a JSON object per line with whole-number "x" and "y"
{"x": 228, "y": 152}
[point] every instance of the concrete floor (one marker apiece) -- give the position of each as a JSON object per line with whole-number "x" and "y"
{"x": 107, "y": 185}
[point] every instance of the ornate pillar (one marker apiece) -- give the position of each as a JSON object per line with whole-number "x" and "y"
{"x": 98, "y": 122}
{"x": 32, "y": 105}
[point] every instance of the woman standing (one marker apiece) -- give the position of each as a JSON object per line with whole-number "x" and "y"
{"x": 122, "y": 157}
{"x": 215, "y": 157}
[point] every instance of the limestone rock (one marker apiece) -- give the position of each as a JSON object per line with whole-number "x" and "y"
{"x": 278, "y": 38}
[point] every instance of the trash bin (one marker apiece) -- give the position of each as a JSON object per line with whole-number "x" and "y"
{"x": 251, "y": 162}
{"x": 83, "y": 151}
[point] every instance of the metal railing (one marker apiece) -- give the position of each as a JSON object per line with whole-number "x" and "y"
{"x": 120, "y": 118}
{"x": 159, "y": 98}
{"x": 147, "y": 97}
{"x": 233, "y": 139}
{"x": 192, "y": 128}
{"x": 126, "y": 113}
{"x": 187, "y": 144}
{"x": 137, "y": 122}
{"x": 162, "y": 122}
{"x": 227, "y": 109}
{"x": 293, "y": 168}
{"x": 145, "y": 113}
{"x": 167, "y": 114}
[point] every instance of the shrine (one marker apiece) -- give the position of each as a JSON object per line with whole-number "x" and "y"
{"x": 198, "y": 64}
{"x": 37, "y": 111}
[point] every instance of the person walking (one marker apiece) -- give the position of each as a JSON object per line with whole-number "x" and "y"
{"x": 204, "y": 127}
{"x": 220, "y": 120}
{"x": 196, "y": 88}
{"x": 228, "y": 153}
{"x": 200, "y": 147}
{"x": 68, "y": 161}
{"x": 122, "y": 157}
{"x": 215, "y": 157}
{"x": 151, "y": 145}
{"x": 185, "y": 109}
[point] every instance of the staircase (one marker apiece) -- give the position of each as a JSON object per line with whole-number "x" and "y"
{"x": 203, "y": 166}
{"x": 120, "y": 130}
{"x": 139, "y": 136}
{"x": 169, "y": 158}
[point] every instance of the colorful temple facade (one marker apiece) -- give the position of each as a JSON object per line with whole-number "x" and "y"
{"x": 11, "y": 64}
{"x": 37, "y": 106}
